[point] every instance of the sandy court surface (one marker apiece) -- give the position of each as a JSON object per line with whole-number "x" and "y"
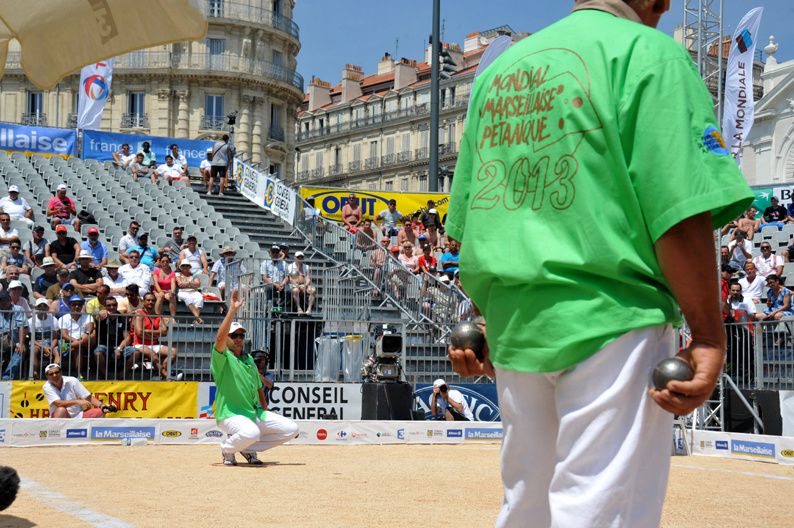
{"x": 340, "y": 486}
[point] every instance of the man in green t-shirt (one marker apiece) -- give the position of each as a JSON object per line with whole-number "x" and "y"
{"x": 592, "y": 151}
{"x": 240, "y": 405}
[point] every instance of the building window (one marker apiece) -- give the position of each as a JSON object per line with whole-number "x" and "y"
{"x": 390, "y": 146}
{"x": 423, "y": 183}
{"x": 135, "y": 103}
{"x": 276, "y": 130}
{"x": 404, "y": 185}
{"x": 357, "y": 152}
{"x": 277, "y": 7}
{"x": 406, "y": 142}
{"x": 304, "y": 163}
{"x": 389, "y": 186}
{"x": 318, "y": 160}
{"x": 275, "y": 170}
{"x": 373, "y": 149}
{"x": 216, "y": 48}
{"x": 35, "y": 104}
{"x": 213, "y": 112}
{"x": 338, "y": 156}
{"x": 216, "y": 8}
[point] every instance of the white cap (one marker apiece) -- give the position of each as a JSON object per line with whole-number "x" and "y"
{"x": 42, "y": 301}
{"x": 86, "y": 254}
{"x": 51, "y": 366}
{"x": 14, "y": 284}
{"x": 47, "y": 261}
{"x": 444, "y": 279}
{"x": 13, "y": 188}
{"x": 209, "y": 150}
{"x": 439, "y": 382}
{"x": 236, "y": 327}
{"x": 299, "y": 254}
{"x": 62, "y": 187}
{"x": 432, "y": 211}
{"x": 184, "y": 262}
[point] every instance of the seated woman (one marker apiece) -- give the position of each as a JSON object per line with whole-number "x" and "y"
{"x": 15, "y": 257}
{"x": 778, "y": 300}
{"x": 164, "y": 283}
{"x": 188, "y": 291}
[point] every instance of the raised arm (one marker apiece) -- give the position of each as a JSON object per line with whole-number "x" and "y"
{"x": 226, "y": 324}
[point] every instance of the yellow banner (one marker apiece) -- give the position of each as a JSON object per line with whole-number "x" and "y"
{"x": 134, "y": 399}
{"x": 330, "y": 200}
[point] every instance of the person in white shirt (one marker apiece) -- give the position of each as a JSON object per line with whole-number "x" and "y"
{"x": 206, "y": 168}
{"x": 114, "y": 280}
{"x": 300, "y": 281}
{"x": 76, "y": 328}
{"x": 767, "y": 262}
{"x": 17, "y": 207}
{"x": 738, "y": 301}
{"x": 129, "y": 240}
{"x": 123, "y": 157}
{"x": 179, "y": 159}
{"x": 740, "y": 248}
{"x": 136, "y": 273}
{"x": 753, "y": 285}
{"x": 43, "y": 327}
{"x": 7, "y": 233}
{"x": 68, "y": 398}
{"x": 170, "y": 170}
{"x": 218, "y": 271}
{"x": 449, "y": 403}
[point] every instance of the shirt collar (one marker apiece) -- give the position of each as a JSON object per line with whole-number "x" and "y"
{"x": 619, "y": 8}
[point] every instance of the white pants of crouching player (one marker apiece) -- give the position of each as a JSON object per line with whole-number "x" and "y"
{"x": 247, "y": 435}
{"x": 587, "y": 446}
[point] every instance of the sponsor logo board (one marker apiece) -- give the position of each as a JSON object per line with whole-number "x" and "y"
{"x": 481, "y": 433}
{"x": 752, "y": 449}
{"x": 118, "y": 433}
{"x": 722, "y": 445}
{"x": 77, "y": 433}
{"x": 454, "y": 433}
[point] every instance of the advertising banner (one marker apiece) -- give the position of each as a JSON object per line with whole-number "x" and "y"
{"x": 101, "y": 146}
{"x": 38, "y": 140}
{"x": 134, "y": 399}
{"x": 265, "y": 191}
{"x": 481, "y": 398}
{"x": 778, "y": 449}
{"x": 5, "y": 398}
{"x": 95, "y": 82}
{"x": 329, "y": 201}
{"x": 299, "y": 401}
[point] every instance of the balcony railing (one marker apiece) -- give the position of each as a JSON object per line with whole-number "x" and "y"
{"x": 354, "y": 166}
{"x": 316, "y": 173}
{"x": 212, "y": 122}
{"x": 403, "y": 157}
{"x": 134, "y": 121}
{"x": 303, "y": 175}
{"x": 366, "y": 122}
{"x": 370, "y": 163}
{"x": 333, "y": 170}
{"x": 249, "y": 13}
{"x": 446, "y": 148}
{"x": 36, "y": 119}
{"x": 388, "y": 159}
{"x": 276, "y": 133}
{"x": 421, "y": 153}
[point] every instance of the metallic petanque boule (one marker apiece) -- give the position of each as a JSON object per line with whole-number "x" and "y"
{"x": 468, "y": 335}
{"x": 671, "y": 369}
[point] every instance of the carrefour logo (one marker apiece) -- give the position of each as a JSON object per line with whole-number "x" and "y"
{"x": 95, "y": 87}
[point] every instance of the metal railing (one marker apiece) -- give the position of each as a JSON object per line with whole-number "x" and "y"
{"x": 371, "y": 163}
{"x": 134, "y": 121}
{"x": 36, "y": 119}
{"x": 212, "y": 122}
{"x": 276, "y": 133}
{"x": 420, "y": 110}
{"x": 252, "y": 14}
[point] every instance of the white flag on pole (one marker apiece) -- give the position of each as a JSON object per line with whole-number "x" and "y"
{"x": 739, "y": 107}
{"x": 94, "y": 90}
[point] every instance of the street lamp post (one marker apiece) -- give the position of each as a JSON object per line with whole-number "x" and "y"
{"x": 432, "y": 174}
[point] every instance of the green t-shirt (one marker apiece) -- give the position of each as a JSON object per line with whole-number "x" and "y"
{"x": 584, "y": 143}
{"x": 237, "y": 386}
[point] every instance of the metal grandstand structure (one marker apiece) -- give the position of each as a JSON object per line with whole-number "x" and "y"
{"x": 702, "y": 33}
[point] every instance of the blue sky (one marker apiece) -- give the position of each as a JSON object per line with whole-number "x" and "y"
{"x": 334, "y": 33}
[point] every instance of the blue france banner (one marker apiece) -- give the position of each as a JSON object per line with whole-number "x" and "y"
{"x": 101, "y": 146}
{"x": 38, "y": 140}
{"x": 94, "y": 90}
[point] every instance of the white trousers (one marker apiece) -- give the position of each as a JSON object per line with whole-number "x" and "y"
{"x": 587, "y": 446}
{"x": 247, "y": 435}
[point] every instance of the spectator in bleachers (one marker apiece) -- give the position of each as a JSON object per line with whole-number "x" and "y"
{"x": 767, "y": 262}
{"x": 351, "y": 213}
{"x": 148, "y": 254}
{"x": 12, "y": 335}
{"x": 61, "y": 209}
{"x": 139, "y": 169}
{"x": 407, "y": 233}
{"x": 188, "y": 291}
{"x": 37, "y": 248}
{"x": 366, "y": 236}
{"x": 8, "y": 234}
{"x": 114, "y": 280}
{"x": 149, "y": 327}
{"x": 112, "y": 337}
{"x": 46, "y": 279}
{"x": 449, "y": 260}
{"x": 416, "y": 224}
{"x": 749, "y": 223}
{"x": 390, "y": 218}
{"x": 132, "y": 301}
{"x": 43, "y": 327}
{"x": 779, "y": 297}
{"x": 775, "y": 214}
{"x": 96, "y": 247}
{"x": 725, "y": 255}
{"x": 15, "y": 288}
{"x": 205, "y": 168}
{"x": 77, "y": 329}
{"x": 86, "y": 278}
{"x": 408, "y": 259}
{"x": 300, "y": 279}
{"x": 54, "y": 291}
{"x": 164, "y": 283}
{"x": 123, "y": 158}
{"x": 179, "y": 159}
{"x": 427, "y": 262}
{"x": 284, "y": 253}
{"x": 218, "y": 271}
{"x": 196, "y": 256}
{"x": 465, "y": 309}
{"x": 398, "y": 277}
{"x": 741, "y": 249}
{"x": 98, "y": 303}
{"x": 17, "y": 207}
{"x": 435, "y": 238}
{"x": 376, "y": 261}
{"x": 425, "y": 216}
{"x": 752, "y": 283}
{"x": 129, "y": 240}
{"x": 435, "y": 297}
{"x": 430, "y": 217}
{"x": 175, "y": 244}
{"x": 136, "y": 273}
{"x": 170, "y": 171}
{"x": 64, "y": 249}
{"x": 60, "y": 306}
{"x": 14, "y": 257}
{"x": 149, "y": 159}
{"x": 274, "y": 272}
{"x": 221, "y": 155}
{"x": 12, "y": 274}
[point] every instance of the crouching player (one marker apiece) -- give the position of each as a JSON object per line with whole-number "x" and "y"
{"x": 240, "y": 407}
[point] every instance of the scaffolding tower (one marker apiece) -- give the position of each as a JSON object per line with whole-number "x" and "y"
{"x": 702, "y": 34}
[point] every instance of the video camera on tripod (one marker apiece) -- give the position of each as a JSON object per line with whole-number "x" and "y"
{"x": 384, "y": 364}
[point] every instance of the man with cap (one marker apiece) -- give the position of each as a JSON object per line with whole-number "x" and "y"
{"x": 60, "y": 306}
{"x": 12, "y": 335}
{"x": 17, "y": 207}
{"x": 86, "y": 278}
{"x": 46, "y": 279}
{"x": 43, "y": 328}
{"x": 218, "y": 271}
{"x": 390, "y": 218}
{"x": 15, "y": 288}
{"x": 38, "y": 247}
{"x": 61, "y": 209}
{"x": 114, "y": 280}
{"x": 300, "y": 281}
{"x": 240, "y": 399}
{"x": 8, "y": 234}
{"x": 449, "y": 404}
{"x": 274, "y": 273}
{"x": 12, "y": 274}
{"x": 77, "y": 329}
{"x": 96, "y": 247}
{"x": 64, "y": 249}
{"x": 136, "y": 273}
{"x": 205, "y": 168}
{"x": 148, "y": 254}
{"x": 68, "y": 398}
{"x": 430, "y": 217}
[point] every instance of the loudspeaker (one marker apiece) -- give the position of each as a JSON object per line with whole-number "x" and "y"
{"x": 738, "y": 418}
{"x": 387, "y": 401}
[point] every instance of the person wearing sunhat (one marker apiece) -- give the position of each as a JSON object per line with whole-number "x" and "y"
{"x": 114, "y": 280}
{"x": 68, "y": 398}
{"x": 86, "y": 278}
{"x": 274, "y": 273}
{"x": 188, "y": 290}
{"x": 77, "y": 328}
{"x": 218, "y": 271}
{"x": 17, "y": 207}
{"x": 46, "y": 279}
{"x": 240, "y": 399}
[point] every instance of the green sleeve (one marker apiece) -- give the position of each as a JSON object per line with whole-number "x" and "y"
{"x": 455, "y": 224}
{"x": 678, "y": 162}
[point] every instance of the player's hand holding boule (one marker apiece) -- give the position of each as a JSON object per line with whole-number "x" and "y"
{"x": 465, "y": 362}
{"x": 683, "y": 397}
